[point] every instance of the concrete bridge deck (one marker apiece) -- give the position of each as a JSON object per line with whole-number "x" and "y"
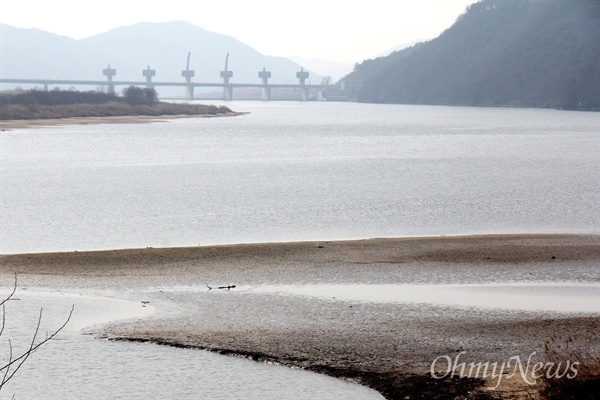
{"x": 227, "y": 87}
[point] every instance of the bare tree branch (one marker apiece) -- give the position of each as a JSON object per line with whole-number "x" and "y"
{"x": 3, "y": 319}
{"x": 14, "y": 364}
{"x": 10, "y": 355}
{"x": 9, "y": 297}
{"x": 12, "y": 294}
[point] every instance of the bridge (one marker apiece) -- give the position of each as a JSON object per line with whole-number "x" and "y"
{"x": 227, "y": 86}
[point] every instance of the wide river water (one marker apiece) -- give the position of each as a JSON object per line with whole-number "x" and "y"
{"x": 300, "y": 171}
{"x": 284, "y": 172}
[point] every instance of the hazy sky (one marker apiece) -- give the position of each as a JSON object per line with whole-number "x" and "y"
{"x": 338, "y": 30}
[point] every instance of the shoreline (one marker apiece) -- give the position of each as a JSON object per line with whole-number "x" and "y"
{"x": 385, "y": 346}
{"x": 351, "y": 242}
{"x": 15, "y": 124}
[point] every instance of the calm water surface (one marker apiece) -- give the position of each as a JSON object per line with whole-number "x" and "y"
{"x": 300, "y": 171}
{"x": 563, "y": 297}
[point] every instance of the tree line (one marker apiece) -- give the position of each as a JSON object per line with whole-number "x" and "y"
{"x": 132, "y": 95}
{"x": 57, "y": 104}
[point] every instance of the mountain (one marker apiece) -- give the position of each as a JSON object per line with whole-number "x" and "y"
{"x": 323, "y": 67}
{"x": 30, "y": 53}
{"x": 399, "y": 47}
{"x": 530, "y": 53}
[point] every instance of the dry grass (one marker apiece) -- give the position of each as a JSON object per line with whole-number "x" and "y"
{"x": 110, "y": 109}
{"x": 584, "y": 363}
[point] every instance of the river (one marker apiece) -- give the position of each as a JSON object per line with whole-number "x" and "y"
{"x": 286, "y": 171}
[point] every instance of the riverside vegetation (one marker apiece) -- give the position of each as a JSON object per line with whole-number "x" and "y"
{"x": 58, "y": 104}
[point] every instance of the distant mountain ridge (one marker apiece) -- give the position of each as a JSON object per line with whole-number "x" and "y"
{"x": 530, "y": 53}
{"x": 31, "y": 53}
{"x": 335, "y": 70}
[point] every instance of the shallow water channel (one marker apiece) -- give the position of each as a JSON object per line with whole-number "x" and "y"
{"x": 569, "y": 297}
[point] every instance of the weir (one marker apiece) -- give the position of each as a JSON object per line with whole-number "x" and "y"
{"x": 188, "y": 84}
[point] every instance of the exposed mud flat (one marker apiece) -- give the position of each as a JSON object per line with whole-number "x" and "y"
{"x": 387, "y": 346}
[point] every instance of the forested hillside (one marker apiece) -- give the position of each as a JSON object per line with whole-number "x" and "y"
{"x": 529, "y": 53}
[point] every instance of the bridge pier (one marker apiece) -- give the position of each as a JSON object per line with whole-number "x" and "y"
{"x": 189, "y": 92}
{"x": 226, "y": 75}
{"x": 304, "y": 94}
{"x": 228, "y": 93}
{"x": 149, "y": 74}
{"x": 266, "y": 90}
{"x": 302, "y": 76}
{"x": 188, "y": 74}
{"x": 266, "y": 94}
{"x": 109, "y": 73}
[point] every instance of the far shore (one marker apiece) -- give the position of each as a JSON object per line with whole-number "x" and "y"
{"x": 7, "y": 125}
{"x": 386, "y": 346}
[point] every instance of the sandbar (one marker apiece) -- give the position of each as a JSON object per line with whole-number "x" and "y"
{"x": 6, "y": 125}
{"x": 386, "y": 346}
